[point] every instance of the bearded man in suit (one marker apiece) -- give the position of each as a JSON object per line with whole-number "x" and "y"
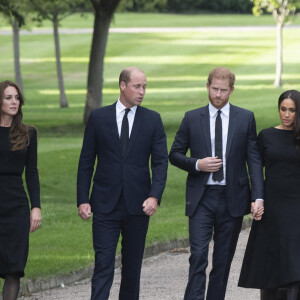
{"x": 221, "y": 138}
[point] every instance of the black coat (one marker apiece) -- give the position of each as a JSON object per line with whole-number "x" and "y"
{"x": 115, "y": 172}
{"x": 241, "y": 152}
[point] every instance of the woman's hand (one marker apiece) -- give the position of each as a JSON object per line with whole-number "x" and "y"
{"x": 35, "y": 219}
{"x": 257, "y": 209}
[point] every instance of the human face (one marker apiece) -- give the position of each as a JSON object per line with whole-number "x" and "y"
{"x": 10, "y": 103}
{"x": 219, "y": 92}
{"x": 133, "y": 93}
{"x": 287, "y": 112}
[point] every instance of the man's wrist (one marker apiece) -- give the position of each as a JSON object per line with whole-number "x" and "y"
{"x": 196, "y": 166}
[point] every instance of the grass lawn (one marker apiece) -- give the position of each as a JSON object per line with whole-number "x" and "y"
{"x": 176, "y": 65}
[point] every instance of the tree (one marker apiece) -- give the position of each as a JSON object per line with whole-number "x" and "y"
{"x": 103, "y": 10}
{"x": 55, "y": 11}
{"x": 143, "y": 5}
{"x": 281, "y": 10}
{"x": 12, "y": 9}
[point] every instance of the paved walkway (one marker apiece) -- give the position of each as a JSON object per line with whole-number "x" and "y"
{"x": 36, "y": 31}
{"x": 164, "y": 277}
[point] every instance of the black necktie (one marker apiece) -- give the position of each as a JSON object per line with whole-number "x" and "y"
{"x": 219, "y": 175}
{"x": 124, "y": 137}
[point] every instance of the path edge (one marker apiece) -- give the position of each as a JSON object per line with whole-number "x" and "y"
{"x": 30, "y": 286}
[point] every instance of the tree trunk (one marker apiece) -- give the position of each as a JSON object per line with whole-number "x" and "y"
{"x": 278, "y": 82}
{"x": 18, "y": 76}
{"x": 63, "y": 99}
{"x": 103, "y": 16}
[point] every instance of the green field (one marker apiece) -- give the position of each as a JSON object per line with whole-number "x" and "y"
{"x": 176, "y": 65}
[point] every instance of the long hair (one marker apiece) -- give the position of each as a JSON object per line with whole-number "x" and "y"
{"x": 19, "y": 132}
{"x": 295, "y": 96}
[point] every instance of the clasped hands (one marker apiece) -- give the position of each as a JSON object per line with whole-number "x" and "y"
{"x": 213, "y": 164}
{"x": 257, "y": 209}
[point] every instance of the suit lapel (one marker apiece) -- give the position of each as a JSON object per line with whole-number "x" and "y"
{"x": 112, "y": 121}
{"x": 205, "y": 126}
{"x": 233, "y": 117}
{"x": 137, "y": 124}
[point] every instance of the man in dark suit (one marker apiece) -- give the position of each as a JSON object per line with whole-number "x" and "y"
{"x": 222, "y": 142}
{"x": 122, "y": 137}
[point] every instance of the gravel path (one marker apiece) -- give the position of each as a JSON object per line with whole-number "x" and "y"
{"x": 36, "y": 31}
{"x": 164, "y": 277}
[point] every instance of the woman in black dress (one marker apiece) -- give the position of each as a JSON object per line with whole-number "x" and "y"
{"x": 272, "y": 257}
{"x": 18, "y": 150}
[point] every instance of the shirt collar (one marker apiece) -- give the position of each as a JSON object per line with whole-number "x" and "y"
{"x": 213, "y": 111}
{"x": 120, "y": 107}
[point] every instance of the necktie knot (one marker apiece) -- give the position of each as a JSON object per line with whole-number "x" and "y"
{"x": 219, "y": 112}
{"x": 127, "y": 110}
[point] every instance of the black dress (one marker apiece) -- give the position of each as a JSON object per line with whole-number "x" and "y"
{"x": 14, "y": 206}
{"x": 272, "y": 257}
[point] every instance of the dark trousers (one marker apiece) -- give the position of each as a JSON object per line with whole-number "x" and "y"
{"x": 106, "y": 233}
{"x": 211, "y": 218}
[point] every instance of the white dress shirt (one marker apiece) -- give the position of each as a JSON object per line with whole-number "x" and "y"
{"x": 213, "y": 112}
{"x": 120, "y": 111}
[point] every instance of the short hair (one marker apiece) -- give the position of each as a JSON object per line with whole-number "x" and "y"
{"x": 221, "y": 73}
{"x": 126, "y": 73}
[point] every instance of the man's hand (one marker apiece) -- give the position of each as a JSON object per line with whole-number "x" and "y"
{"x": 150, "y": 206}
{"x": 209, "y": 164}
{"x": 257, "y": 209}
{"x": 84, "y": 211}
{"x": 35, "y": 219}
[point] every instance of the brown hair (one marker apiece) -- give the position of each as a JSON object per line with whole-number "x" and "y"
{"x": 221, "y": 73}
{"x": 19, "y": 132}
{"x": 126, "y": 73}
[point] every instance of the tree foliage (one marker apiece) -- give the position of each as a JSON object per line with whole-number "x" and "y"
{"x": 143, "y": 5}
{"x": 190, "y": 6}
{"x": 282, "y": 10}
{"x": 241, "y": 6}
{"x": 55, "y": 11}
{"x": 14, "y": 11}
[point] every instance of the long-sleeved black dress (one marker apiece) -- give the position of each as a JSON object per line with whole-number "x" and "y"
{"x": 272, "y": 257}
{"x": 14, "y": 206}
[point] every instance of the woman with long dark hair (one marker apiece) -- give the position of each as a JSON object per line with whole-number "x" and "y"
{"x": 272, "y": 258}
{"x": 18, "y": 150}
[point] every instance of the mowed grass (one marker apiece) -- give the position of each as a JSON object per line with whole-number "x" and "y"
{"x": 176, "y": 65}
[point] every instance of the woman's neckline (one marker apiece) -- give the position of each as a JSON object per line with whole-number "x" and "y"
{"x": 282, "y": 129}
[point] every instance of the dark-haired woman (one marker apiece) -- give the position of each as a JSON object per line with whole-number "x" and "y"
{"x": 272, "y": 257}
{"x": 18, "y": 150}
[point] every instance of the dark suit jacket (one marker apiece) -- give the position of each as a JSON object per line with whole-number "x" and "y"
{"x": 114, "y": 172}
{"x": 241, "y": 151}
